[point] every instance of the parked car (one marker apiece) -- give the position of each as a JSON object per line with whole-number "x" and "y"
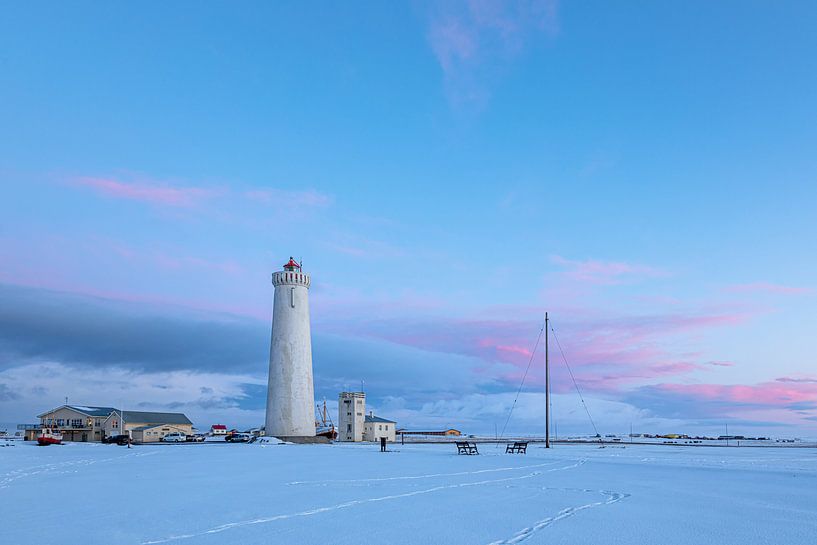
{"x": 238, "y": 438}
{"x": 195, "y": 438}
{"x": 175, "y": 437}
{"x": 121, "y": 439}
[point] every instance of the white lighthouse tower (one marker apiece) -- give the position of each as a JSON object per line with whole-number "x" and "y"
{"x": 291, "y": 397}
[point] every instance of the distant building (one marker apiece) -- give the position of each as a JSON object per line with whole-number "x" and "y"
{"x": 375, "y": 427}
{"x": 351, "y": 416}
{"x": 146, "y": 427}
{"x": 74, "y": 422}
{"x": 218, "y": 429}
{"x": 451, "y": 432}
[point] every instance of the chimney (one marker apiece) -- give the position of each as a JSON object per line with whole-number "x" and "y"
{"x": 371, "y": 414}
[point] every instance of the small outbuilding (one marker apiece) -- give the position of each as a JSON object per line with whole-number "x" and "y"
{"x": 218, "y": 429}
{"x": 152, "y": 433}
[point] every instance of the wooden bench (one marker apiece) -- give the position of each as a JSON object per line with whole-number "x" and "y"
{"x": 464, "y": 447}
{"x": 516, "y": 448}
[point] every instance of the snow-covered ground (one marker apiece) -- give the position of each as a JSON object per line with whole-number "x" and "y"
{"x": 302, "y": 494}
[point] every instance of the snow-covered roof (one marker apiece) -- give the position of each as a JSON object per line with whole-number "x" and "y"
{"x": 84, "y": 409}
{"x": 152, "y": 417}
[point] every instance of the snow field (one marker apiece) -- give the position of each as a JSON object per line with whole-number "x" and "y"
{"x": 352, "y": 493}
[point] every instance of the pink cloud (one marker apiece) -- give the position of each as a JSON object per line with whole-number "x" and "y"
{"x": 607, "y": 355}
{"x": 514, "y": 350}
{"x": 772, "y": 394}
{"x": 306, "y": 198}
{"x": 604, "y": 272}
{"x": 150, "y": 193}
{"x": 769, "y": 288}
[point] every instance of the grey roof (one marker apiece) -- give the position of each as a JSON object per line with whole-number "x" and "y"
{"x": 84, "y": 409}
{"x": 155, "y": 418}
{"x": 378, "y": 419}
{"x": 150, "y": 426}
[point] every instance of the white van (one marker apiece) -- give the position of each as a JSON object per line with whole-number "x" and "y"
{"x": 175, "y": 437}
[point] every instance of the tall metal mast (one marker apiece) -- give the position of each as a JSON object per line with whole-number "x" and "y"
{"x": 547, "y": 387}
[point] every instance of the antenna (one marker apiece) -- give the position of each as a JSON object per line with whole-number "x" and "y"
{"x": 547, "y": 387}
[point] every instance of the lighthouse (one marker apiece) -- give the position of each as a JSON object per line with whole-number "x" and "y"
{"x": 290, "y": 396}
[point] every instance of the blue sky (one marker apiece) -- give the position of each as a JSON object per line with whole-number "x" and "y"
{"x": 447, "y": 172}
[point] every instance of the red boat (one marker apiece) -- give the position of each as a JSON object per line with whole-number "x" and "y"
{"x": 49, "y": 437}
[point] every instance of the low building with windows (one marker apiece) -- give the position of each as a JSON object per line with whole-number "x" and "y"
{"x": 218, "y": 429}
{"x": 375, "y": 427}
{"x": 90, "y": 423}
{"x": 146, "y": 427}
{"x": 74, "y": 422}
{"x": 451, "y": 432}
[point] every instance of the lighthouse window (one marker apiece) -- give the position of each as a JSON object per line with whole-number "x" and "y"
{"x": 292, "y": 297}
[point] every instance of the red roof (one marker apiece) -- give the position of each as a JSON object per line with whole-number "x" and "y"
{"x": 292, "y": 264}
{"x": 219, "y": 427}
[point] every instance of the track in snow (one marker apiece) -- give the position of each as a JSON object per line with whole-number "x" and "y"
{"x": 525, "y": 533}
{"x": 71, "y": 466}
{"x": 352, "y": 503}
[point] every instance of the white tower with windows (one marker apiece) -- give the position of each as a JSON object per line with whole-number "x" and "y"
{"x": 291, "y": 395}
{"x": 351, "y": 416}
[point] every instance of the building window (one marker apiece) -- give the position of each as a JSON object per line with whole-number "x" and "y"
{"x": 379, "y": 427}
{"x": 348, "y": 428}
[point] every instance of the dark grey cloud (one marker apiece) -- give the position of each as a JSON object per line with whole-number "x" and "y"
{"x": 38, "y": 325}
{"x": 7, "y": 394}
{"x": 44, "y": 325}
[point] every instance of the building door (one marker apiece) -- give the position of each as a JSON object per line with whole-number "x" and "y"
{"x": 84, "y": 437}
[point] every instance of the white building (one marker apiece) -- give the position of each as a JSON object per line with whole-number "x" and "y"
{"x": 355, "y": 425}
{"x": 375, "y": 427}
{"x": 218, "y": 429}
{"x": 290, "y": 397}
{"x": 351, "y": 416}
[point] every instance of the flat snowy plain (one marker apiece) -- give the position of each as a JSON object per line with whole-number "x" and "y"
{"x": 343, "y": 493}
